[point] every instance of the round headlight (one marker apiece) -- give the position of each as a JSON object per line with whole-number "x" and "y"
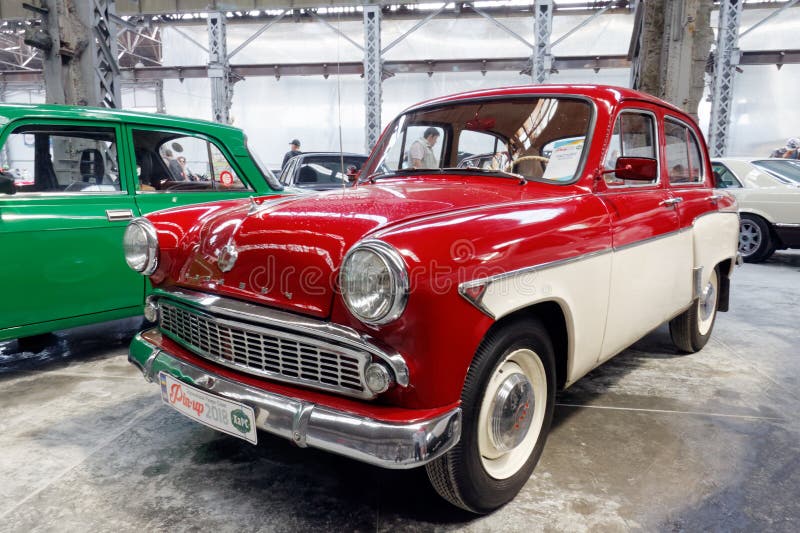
{"x": 141, "y": 246}
{"x": 374, "y": 282}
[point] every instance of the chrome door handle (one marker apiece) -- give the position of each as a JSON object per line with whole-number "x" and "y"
{"x": 716, "y": 197}
{"x": 671, "y": 202}
{"x": 115, "y": 215}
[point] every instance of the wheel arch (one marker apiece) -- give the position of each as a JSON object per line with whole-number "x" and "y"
{"x": 555, "y": 320}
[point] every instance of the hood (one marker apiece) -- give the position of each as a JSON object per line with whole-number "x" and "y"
{"x": 286, "y": 252}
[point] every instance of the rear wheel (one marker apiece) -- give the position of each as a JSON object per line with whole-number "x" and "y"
{"x": 755, "y": 239}
{"x": 507, "y": 404}
{"x": 691, "y": 329}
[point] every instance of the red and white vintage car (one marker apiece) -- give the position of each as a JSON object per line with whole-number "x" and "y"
{"x": 428, "y": 315}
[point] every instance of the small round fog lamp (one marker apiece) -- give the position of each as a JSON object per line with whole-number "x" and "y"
{"x": 151, "y": 310}
{"x": 378, "y": 378}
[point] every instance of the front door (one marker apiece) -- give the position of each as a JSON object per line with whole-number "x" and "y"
{"x": 644, "y": 225}
{"x": 175, "y": 168}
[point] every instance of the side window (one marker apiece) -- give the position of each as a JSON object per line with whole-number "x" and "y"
{"x": 481, "y": 150}
{"x": 63, "y": 159}
{"x": 166, "y": 161}
{"x": 683, "y": 156}
{"x": 633, "y": 136}
{"x": 724, "y": 178}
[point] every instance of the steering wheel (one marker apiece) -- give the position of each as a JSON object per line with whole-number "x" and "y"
{"x": 511, "y": 164}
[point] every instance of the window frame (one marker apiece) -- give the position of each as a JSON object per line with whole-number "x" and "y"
{"x": 121, "y": 141}
{"x": 133, "y": 126}
{"x": 656, "y": 148}
{"x": 704, "y": 160}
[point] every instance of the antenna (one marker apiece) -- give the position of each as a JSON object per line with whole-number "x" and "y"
{"x": 342, "y": 170}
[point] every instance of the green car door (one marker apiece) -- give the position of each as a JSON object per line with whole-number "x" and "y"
{"x": 61, "y": 233}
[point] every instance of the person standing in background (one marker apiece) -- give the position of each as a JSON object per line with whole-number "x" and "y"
{"x": 294, "y": 149}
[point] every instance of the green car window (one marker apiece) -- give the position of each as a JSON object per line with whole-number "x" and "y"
{"x": 63, "y": 159}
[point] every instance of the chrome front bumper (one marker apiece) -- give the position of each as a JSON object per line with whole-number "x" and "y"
{"x": 388, "y": 445}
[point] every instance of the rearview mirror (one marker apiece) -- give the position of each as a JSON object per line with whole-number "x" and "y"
{"x": 7, "y": 185}
{"x": 636, "y": 169}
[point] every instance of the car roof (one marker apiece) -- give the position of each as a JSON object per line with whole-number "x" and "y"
{"x": 608, "y": 93}
{"x": 10, "y": 112}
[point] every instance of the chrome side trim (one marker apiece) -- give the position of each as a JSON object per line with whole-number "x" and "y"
{"x": 787, "y": 225}
{"x": 315, "y": 328}
{"x": 478, "y": 302}
{"x": 651, "y": 239}
{"x": 388, "y": 445}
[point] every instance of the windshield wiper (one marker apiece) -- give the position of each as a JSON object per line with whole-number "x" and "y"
{"x": 500, "y": 173}
{"x": 399, "y": 172}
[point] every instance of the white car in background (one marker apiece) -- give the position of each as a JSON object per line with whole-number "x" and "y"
{"x": 768, "y": 193}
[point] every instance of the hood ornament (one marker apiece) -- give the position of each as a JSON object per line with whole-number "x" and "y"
{"x": 227, "y": 257}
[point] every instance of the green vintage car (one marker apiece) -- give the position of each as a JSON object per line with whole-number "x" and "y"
{"x": 72, "y": 178}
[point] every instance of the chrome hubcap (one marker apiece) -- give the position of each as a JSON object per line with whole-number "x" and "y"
{"x": 749, "y": 237}
{"x": 708, "y": 302}
{"x": 512, "y": 412}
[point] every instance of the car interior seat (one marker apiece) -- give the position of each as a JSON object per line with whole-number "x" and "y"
{"x": 92, "y": 166}
{"x": 306, "y": 175}
{"x": 145, "y": 162}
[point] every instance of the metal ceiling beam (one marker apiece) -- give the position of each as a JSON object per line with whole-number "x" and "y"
{"x": 132, "y": 75}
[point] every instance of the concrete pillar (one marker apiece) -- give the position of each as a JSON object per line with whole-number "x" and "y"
{"x": 673, "y": 46}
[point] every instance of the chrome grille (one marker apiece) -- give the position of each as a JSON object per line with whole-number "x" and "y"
{"x": 276, "y": 354}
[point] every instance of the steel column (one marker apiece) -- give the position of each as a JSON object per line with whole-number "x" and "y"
{"x": 219, "y": 69}
{"x": 542, "y": 60}
{"x": 373, "y": 71}
{"x": 106, "y": 69}
{"x": 726, "y": 58}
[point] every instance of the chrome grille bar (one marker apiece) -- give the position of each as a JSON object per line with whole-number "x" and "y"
{"x": 263, "y": 351}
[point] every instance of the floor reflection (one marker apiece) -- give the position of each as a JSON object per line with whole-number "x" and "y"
{"x": 68, "y": 345}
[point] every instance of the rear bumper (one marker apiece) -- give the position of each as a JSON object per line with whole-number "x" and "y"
{"x": 388, "y": 445}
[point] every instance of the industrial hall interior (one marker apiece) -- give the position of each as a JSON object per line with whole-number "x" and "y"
{"x": 334, "y": 265}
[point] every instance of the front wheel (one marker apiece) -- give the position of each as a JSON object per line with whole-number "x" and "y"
{"x": 507, "y": 404}
{"x": 691, "y": 329}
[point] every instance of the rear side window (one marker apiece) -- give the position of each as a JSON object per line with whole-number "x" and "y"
{"x": 63, "y": 159}
{"x": 683, "y": 156}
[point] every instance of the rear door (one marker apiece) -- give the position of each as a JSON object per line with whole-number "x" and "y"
{"x": 62, "y": 236}
{"x": 687, "y": 175}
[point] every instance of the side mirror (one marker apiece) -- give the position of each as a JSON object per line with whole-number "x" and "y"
{"x": 635, "y": 169}
{"x": 7, "y": 185}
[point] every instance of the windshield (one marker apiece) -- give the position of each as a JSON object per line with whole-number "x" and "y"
{"x": 788, "y": 170}
{"x": 540, "y": 138}
{"x": 269, "y": 177}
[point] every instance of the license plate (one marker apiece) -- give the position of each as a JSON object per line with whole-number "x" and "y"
{"x": 218, "y": 413}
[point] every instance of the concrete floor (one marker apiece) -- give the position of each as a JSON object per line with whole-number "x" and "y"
{"x": 649, "y": 441}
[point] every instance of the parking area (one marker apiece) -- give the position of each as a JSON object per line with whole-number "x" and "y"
{"x": 652, "y": 440}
